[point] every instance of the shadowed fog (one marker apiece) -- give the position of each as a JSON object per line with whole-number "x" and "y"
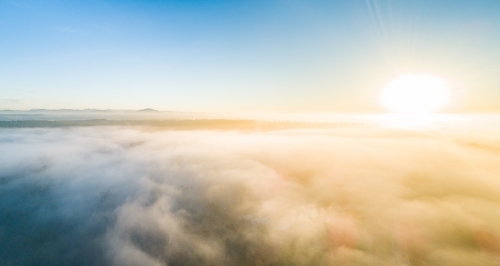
{"x": 340, "y": 196}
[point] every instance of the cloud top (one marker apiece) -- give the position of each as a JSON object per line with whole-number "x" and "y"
{"x": 339, "y": 196}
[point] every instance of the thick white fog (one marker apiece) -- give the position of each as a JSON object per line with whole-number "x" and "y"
{"x": 340, "y": 196}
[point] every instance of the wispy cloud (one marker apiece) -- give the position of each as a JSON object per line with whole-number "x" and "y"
{"x": 11, "y": 101}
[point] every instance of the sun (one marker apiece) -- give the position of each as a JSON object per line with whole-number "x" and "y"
{"x": 416, "y": 93}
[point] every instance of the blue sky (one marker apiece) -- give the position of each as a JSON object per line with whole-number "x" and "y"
{"x": 288, "y": 55}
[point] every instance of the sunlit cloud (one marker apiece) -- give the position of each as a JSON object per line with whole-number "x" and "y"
{"x": 348, "y": 195}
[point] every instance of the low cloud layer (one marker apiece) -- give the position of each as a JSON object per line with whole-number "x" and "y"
{"x": 342, "y": 196}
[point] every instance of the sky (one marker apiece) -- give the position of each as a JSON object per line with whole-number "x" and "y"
{"x": 285, "y": 55}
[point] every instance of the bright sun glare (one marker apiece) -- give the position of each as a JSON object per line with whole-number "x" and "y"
{"x": 413, "y": 93}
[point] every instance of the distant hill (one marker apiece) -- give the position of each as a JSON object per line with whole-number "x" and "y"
{"x": 65, "y": 110}
{"x": 175, "y": 124}
{"x": 148, "y": 110}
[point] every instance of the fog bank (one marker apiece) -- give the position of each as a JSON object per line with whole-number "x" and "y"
{"x": 332, "y": 196}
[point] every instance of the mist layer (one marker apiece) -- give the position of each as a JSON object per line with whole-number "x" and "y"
{"x": 340, "y": 196}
